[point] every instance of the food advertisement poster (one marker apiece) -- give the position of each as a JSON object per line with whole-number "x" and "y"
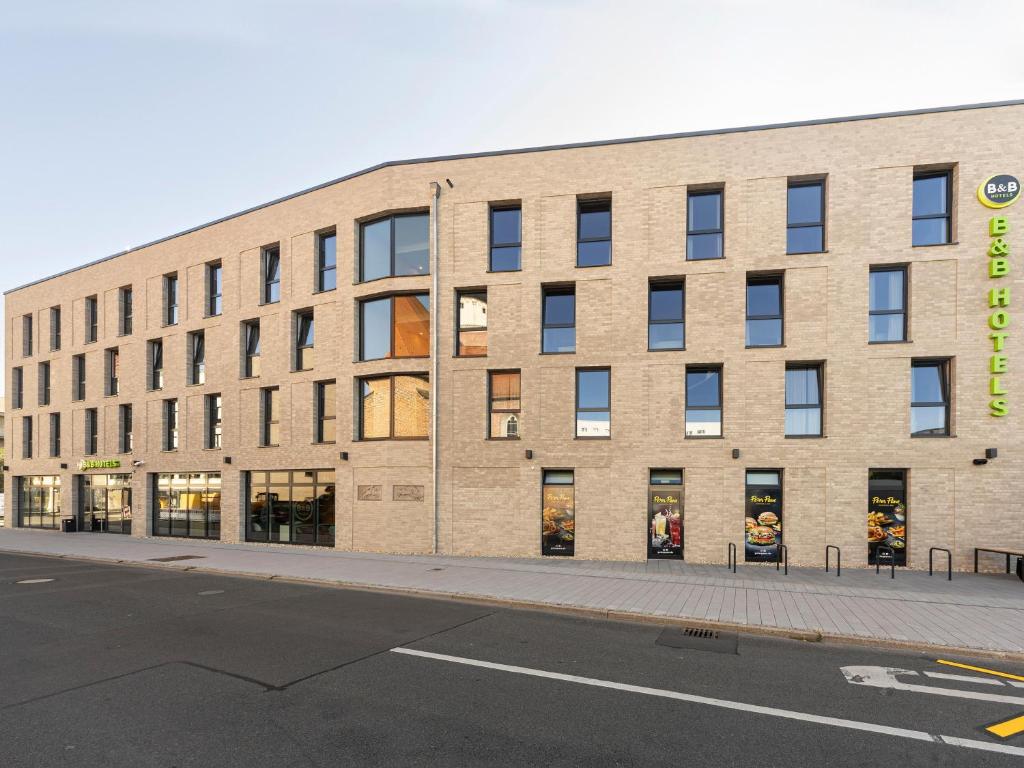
{"x": 763, "y": 524}
{"x": 666, "y": 523}
{"x": 559, "y": 521}
{"x": 887, "y": 526}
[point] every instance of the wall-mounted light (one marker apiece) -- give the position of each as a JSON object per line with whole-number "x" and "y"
{"x": 529, "y": 453}
{"x": 735, "y": 453}
{"x": 344, "y": 455}
{"x": 979, "y": 462}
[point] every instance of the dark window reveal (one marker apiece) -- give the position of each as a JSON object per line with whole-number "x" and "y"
{"x": 197, "y": 357}
{"x": 92, "y": 319}
{"x": 214, "y": 289}
{"x": 764, "y": 310}
{"x": 304, "y": 340}
{"x": 326, "y": 261}
{"x": 251, "y": 340}
{"x": 326, "y": 411}
{"x": 932, "y": 203}
{"x": 593, "y": 402}
{"x": 805, "y": 217}
{"x": 505, "y": 404}
{"x": 394, "y": 247}
{"x": 666, "y": 307}
{"x": 395, "y": 326}
{"x": 803, "y": 400}
{"x": 506, "y": 239}
{"x": 594, "y": 233}
{"x": 887, "y": 304}
{"x": 929, "y": 398}
{"x": 291, "y": 507}
{"x": 704, "y": 401}
{"x": 472, "y": 322}
{"x": 171, "y": 299}
{"x": 270, "y": 430}
{"x": 127, "y": 310}
{"x": 394, "y": 407}
{"x": 271, "y": 269}
{"x": 559, "y": 311}
{"x": 214, "y": 421}
{"x": 704, "y": 229}
{"x": 170, "y": 425}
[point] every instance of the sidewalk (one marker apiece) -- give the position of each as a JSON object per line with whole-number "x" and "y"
{"x": 977, "y": 612}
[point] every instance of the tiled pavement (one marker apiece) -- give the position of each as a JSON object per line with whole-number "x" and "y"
{"x": 979, "y": 612}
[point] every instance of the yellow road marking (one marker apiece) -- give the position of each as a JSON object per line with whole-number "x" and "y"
{"x": 1007, "y": 675}
{"x": 1007, "y": 729}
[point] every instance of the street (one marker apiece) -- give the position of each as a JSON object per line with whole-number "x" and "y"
{"x": 111, "y": 665}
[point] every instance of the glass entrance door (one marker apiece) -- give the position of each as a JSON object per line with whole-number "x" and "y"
{"x": 106, "y": 503}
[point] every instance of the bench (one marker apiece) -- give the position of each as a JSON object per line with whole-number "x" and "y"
{"x": 999, "y": 551}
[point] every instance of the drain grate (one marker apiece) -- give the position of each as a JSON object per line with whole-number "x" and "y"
{"x": 699, "y": 639}
{"x": 175, "y": 558}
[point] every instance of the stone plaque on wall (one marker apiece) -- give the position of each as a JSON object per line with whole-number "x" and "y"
{"x": 408, "y": 493}
{"x": 369, "y": 492}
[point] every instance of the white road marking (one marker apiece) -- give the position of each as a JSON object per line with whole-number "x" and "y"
{"x": 738, "y": 706}
{"x": 885, "y": 677}
{"x": 964, "y": 678}
{"x": 33, "y": 581}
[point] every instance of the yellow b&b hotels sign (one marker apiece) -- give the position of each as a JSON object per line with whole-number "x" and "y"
{"x": 998, "y": 191}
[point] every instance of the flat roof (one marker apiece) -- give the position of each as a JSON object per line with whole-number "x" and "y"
{"x": 524, "y": 150}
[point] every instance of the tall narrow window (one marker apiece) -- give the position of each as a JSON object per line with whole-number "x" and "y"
{"x": 304, "y": 340}
{"x": 506, "y": 238}
{"x": 78, "y": 377}
{"x": 326, "y": 411}
{"x": 593, "y": 402}
{"x": 124, "y": 413}
{"x": 214, "y": 288}
{"x": 395, "y": 326}
{"x": 171, "y": 299}
{"x": 44, "y": 383}
{"x": 214, "y": 421}
{"x": 92, "y": 431}
{"x": 704, "y": 401}
{"x": 805, "y": 217}
{"x": 26, "y": 437}
{"x": 54, "y": 435}
{"x": 271, "y": 268}
{"x": 803, "y": 400}
{"x": 394, "y": 407}
{"x": 593, "y": 233}
{"x": 327, "y": 261}
{"x": 26, "y": 335}
{"x": 92, "y": 319}
{"x": 505, "y": 404}
{"x": 251, "y": 340}
{"x": 887, "y": 304}
{"x": 929, "y": 398}
{"x": 704, "y": 230}
{"x": 55, "y": 329}
{"x": 394, "y": 247}
{"x": 764, "y": 310}
{"x": 156, "y": 364}
{"x": 18, "y": 387}
{"x": 558, "y": 513}
{"x": 472, "y": 323}
{"x": 932, "y": 203}
{"x": 171, "y": 425}
{"x": 197, "y": 357}
{"x": 113, "y": 372}
{"x": 270, "y": 421}
{"x": 666, "y": 308}
{"x": 126, "y": 308}
{"x": 559, "y": 319}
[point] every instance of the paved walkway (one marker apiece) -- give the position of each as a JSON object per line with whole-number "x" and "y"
{"x": 978, "y": 612}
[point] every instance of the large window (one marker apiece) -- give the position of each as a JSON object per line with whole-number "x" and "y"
{"x": 326, "y": 411}
{"x": 92, "y": 431}
{"x": 125, "y": 417}
{"x": 593, "y": 402}
{"x": 326, "y": 261}
{"x": 105, "y": 503}
{"x": 472, "y": 341}
{"x": 505, "y": 405}
{"x": 887, "y": 304}
{"x": 559, "y": 311}
{"x": 394, "y": 407}
{"x": 214, "y": 289}
{"x": 197, "y": 357}
{"x": 803, "y": 400}
{"x": 78, "y": 377}
{"x": 666, "y": 312}
{"x": 155, "y": 354}
{"x": 704, "y": 230}
{"x": 888, "y": 516}
{"x": 270, "y": 272}
{"x": 805, "y": 217}
{"x": 929, "y": 398}
{"x": 44, "y": 383}
{"x": 27, "y": 437}
{"x": 665, "y": 514}
{"x": 54, "y": 435}
{"x": 558, "y": 513}
{"x": 187, "y": 505}
{"x": 291, "y": 507}
{"x": 250, "y": 348}
{"x": 55, "y": 329}
{"x": 171, "y": 299}
{"x": 764, "y": 310}
{"x": 214, "y": 408}
{"x": 593, "y": 233}
{"x": 704, "y": 401}
{"x": 126, "y": 310}
{"x": 17, "y": 388}
{"x": 39, "y": 501}
{"x": 92, "y": 319}
{"x": 113, "y": 377}
{"x": 506, "y": 238}
{"x": 170, "y": 442}
{"x": 932, "y": 203}
{"x": 304, "y": 338}
{"x": 26, "y": 335}
{"x": 270, "y": 417}
{"x": 394, "y": 247}
{"x": 395, "y": 326}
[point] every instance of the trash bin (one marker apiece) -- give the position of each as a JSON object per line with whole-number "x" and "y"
{"x": 67, "y": 525}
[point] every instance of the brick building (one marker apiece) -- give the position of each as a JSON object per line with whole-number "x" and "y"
{"x": 652, "y": 347}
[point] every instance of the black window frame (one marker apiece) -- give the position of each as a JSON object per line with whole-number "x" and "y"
{"x": 268, "y": 284}
{"x": 946, "y": 173}
{"x": 92, "y": 431}
{"x": 945, "y": 366}
{"x": 905, "y": 269}
{"x": 125, "y": 428}
{"x": 125, "y": 310}
{"x": 390, "y": 298}
{"x": 819, "y": 368}
{"x": 720, "y": 231}
{"x": 303, "y": 355}
{"x": 322, "y": 268}
{"x": 17, "y": 388}
{"x": 493, "y": 246}
{"x": 112, "y": 364}
{"x": 270, "y": 417}
{"x": 92, "y": 319}
{"x": 391, "y": 413}
{"x": 171, "y": 299}
{"x": 491, "y": 410}
{"x": 27, "y": 335}
{"x": 320, "y": 396}
{"x": 765, "y": 278}
{"x": 666, "y": 284}
{"x": 171, "y": 424}
{"x": 593, "y": 205}
{"x": 155, "y": 365}
{"x": 718, "y": 368}
{"x": 27, "y": 437}
{"x": 470, "y": 292}
{"x": 213, "y": 412}
{"x": 78, "y": 378}
{"x": 214, "y": 288}
{"x": 55, "y": 329}
{"x": 55, "y": 435}
{"x": 392, "y": 217}
{"x": 43, "y": 374}
{"x": 196, "y": 358}
{"x": 578, "y": 410}
{"x": 796, "y": 184}
{"x": 557, "y": 289}
{"x": 251, "y": 334}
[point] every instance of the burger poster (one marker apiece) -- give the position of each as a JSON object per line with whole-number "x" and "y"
{"x": 887, "y": 526}
{"x": 665, "y": 527}
{"x": 558, "y": 520}
{"x": 763, "y": 524}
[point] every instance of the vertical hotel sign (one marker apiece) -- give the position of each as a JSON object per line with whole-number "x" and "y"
{"x": 998, "y": 192}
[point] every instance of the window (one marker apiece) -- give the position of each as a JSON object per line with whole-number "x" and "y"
{"x": 803, "y": 400}
{"x": 54, "y": 435}
{"x": 326, "y": 261}
{"x": 764, "y": 310}
{"x": 704, "y": 234}
{"x": 92, "y": 431}
{"x": 290, "y": 507}
{"x": 558, "y": 513}
{"x": 26, "y": 437}
{"x": 593, "y": 402}
{"x": 559, "y": 316}
{"x": 171, "y": 299}
{"x": 394, "y": 407}
{"x": 197, "y": 357}
{"x": 38, "y": 501}
{"x": 187, "y": 505}
{"x": 326, "y": 411}
{"x": 506, "y": 238}
{"x": 126, "y": 310}
{"x": 472, "y": 341}
{"x": 54, "y": 329}
{"x": 18, "y": 387}
{"x": 214, "y": 421}
{"x": 593, "y": 233}
{"x": 214, "y": 289}
{"x": 78, "y": 374}
{"x": 92, "y": 315}
{"x": 44, "y": 383}
{"x": 888, "y": 516}
{"x": 304, "y": 340}
{"x": 251, "y": 340}
{"x": 170, "y": 425}
{"x": 394, "y": 247}
{"x": 763, "y": 508}
{"x": 929, "y": 398}
{"x": 156, "y": 364}
{"x": 270, "y": 419}
{"x": 666, "y": 310}
{"x": 505, "y": 404}
{"x": 704, "y": 401}
{"x": 932, "y": 203}
{"x": 113, "y": 371}
{"x": 26, "y": 336}
{"x": 665, "y": 514}
{"x": 124, "y": 418}
{"x": 271, "y": 268}
{"x": 887, "y": 304}
{"x": 395, "y": 326}
{"x": 805, "y": 217}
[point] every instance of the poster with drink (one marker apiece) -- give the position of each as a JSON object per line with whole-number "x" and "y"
{"x": 763, "y": 524}
{"x": 558, "y": 520}
{"x": 887, "y": 527}
{"x": 665, "y": 524}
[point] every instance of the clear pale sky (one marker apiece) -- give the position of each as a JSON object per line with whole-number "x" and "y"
{"x": 123, "y": 121}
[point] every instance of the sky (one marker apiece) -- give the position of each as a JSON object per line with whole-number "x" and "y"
{"x": 122, "y": 122}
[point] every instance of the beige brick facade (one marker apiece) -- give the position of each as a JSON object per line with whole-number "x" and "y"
{"x": 490, "y": 494}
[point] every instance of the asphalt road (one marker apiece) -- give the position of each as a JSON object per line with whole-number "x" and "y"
{"x": 111, "y": 665}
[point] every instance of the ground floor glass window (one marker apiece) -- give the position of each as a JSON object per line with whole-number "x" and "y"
{"x": 763, "y": 509}
{"x": 887, "y": 516}
{"x": 559, "y": 513}
{"x": 39, "y": 501}
{"x": 187, "y": 504}
{"x": 665, "y": 514}
{"x": 291, "y": 507}
{"x": 106, "y": 503}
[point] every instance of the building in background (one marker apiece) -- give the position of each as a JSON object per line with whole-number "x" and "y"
{"x": 3, "y": 474}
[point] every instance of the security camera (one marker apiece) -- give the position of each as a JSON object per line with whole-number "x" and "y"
{"x": 138, "y": 463}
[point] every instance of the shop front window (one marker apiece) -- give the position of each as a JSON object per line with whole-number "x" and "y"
{"x": 665, "y": 514}
{"x": 187, "y": 505}
{"x": 558, "y": 517}
{"x": 763, "y": 509}
{"x": 39, "y": 501}
{"x": 291, "y": 507}
{"x": 106, "y": 503}
{"x": 887, "y": 516}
